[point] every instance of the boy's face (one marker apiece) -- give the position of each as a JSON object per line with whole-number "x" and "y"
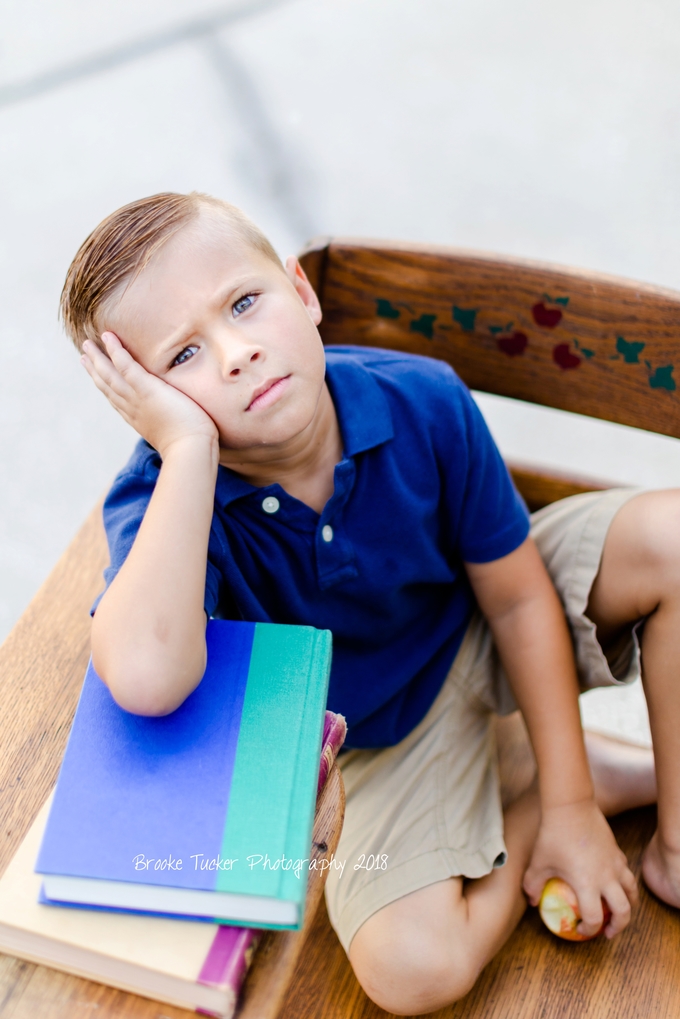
{"x": 218, "y": 320}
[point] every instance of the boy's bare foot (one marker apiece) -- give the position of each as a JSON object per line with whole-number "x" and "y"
{"x": 661, "y": 872}
{"x": 623, "y": 774}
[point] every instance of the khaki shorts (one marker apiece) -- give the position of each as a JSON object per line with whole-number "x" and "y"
{"x": 429, "y": 808}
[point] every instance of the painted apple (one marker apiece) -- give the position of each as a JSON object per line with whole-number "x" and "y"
{"x": 564, "y": 357}
{"x": 545, "y": 316}
{"x": 560, "y": 913}
{"x": 514, "y": 344}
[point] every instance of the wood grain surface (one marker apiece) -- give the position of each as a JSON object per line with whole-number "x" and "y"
{"x": 579, "y": 341}
{"x": 42, "y": 665}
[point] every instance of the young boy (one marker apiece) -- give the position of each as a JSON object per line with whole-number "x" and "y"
{"x": 361, "y": 491}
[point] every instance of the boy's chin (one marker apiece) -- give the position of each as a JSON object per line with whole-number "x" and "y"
{"x": 255, "y": 448}
{"x": 281, "y": 425}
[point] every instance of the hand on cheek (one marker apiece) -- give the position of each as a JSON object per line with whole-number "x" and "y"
{"x": 156, "y": 410}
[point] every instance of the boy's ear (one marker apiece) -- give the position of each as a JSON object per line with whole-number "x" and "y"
{"x": 305, "y": 290}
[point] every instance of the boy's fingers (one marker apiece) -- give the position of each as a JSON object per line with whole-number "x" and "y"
{"x": 117, "y": 366}
{"x": 102, "y": 384}
{"x": 592, "y": 914}
{"x": 120, "y": 358}
{"x": 630, "y": 886}
{"x": 97, "y": 358}
{"x": 109, "y": 381}
{"x": 98, "y": 366}
{"x": 618, "y": 902}
{"x": 533, "y": 885}
{"x": 111, "y": 342}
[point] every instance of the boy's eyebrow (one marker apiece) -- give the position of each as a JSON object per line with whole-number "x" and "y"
{"x": 183, "y": 335}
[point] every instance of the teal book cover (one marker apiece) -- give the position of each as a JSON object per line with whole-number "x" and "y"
{"x": 206, "y": 812}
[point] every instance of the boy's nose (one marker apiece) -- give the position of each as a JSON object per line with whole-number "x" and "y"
{"x": 236, "y": 370}
{"x": 235, "y": 358}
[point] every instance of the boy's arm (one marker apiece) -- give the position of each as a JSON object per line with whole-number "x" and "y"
{"x": 575, "y": 842}
{"x": 148, "y": 634}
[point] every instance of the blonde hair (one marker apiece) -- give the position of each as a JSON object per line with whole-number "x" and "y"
{"x": 122, "y": 245}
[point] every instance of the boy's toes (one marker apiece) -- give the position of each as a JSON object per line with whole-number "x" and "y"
{"x": 661, "y": 872}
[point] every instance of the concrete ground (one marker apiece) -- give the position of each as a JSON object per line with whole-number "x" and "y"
{"x": 539, "y": 129}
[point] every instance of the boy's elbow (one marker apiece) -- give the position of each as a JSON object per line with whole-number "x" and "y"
{"x": 150, "y": 691}
{"x": 142, "y": 701}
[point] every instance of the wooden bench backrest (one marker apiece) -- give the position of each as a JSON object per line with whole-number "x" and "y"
{"x": 566, "y": 338}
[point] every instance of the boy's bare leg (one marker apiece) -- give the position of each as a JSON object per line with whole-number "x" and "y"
{"x": 427, "y": 949}
{"x": 623, "y": 774}
{"x": 640, "y": 577}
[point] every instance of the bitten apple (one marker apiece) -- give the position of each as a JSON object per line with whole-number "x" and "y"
{"x": 559, "y": 911}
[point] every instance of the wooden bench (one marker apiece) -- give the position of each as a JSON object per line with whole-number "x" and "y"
{"x": 577, "y": 341}
{"x": 568, "y": 339}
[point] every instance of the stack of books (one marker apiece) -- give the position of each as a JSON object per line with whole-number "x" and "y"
{"x": 170, "y": 842}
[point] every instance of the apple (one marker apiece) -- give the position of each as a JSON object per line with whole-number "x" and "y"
{"x": 559, "y": 911}
{"x": 513, "y": 344}
{"x": 546, "y": 317}
{"x": 564, "y": 357}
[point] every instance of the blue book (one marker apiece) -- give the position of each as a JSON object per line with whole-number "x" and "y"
{"x": 207, "y": 812}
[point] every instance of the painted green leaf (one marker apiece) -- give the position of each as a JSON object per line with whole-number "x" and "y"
{"x": 423, "y": 325}
{"x": 385, "y": 309}
{"x": 564, "y": 301}
{"x": 663, "y": 378}
{"x": 630, "y": 351}
{"x": 465, "y": 317}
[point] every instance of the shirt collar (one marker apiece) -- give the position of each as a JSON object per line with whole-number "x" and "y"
{"x": 362, "y": 408}
{"x": 363, "y": 415}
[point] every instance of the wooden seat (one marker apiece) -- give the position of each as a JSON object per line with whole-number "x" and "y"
{"x": 568, "y": 339}
{"x": 564, "y": 338}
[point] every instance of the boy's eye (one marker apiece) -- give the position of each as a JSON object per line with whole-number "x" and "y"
{"x": 243, "y": 304}
{"x": 184, "y": 355}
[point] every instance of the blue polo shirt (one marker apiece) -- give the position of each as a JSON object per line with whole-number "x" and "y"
{"x": 420, "y": 489}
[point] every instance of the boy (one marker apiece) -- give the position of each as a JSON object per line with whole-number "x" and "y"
{"x": 363, "y": 493}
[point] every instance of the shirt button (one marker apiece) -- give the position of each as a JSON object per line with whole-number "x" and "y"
{"x": 270, "y": 504}
{"x": 327, "y": 533}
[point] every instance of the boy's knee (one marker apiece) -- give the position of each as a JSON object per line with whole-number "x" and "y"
{"x": 410, "y": 972}
{"x": 664, "y": 531}
{"x": 653, "y": 525}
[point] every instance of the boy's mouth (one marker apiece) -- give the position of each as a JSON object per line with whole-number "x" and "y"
{"x": 268, "y": 392}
